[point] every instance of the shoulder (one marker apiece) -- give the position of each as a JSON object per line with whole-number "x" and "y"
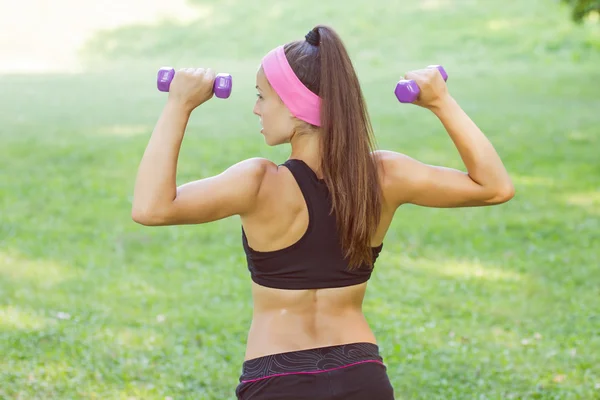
{"x": 388, "y": 158}
{"x": 393, "y": 166}
{"x": 398, "y": 174}
{"x": 251, "y": 173}
{"x": 255, "y": 168}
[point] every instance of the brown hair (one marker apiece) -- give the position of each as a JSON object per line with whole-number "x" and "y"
{"x": 349, "y": 169}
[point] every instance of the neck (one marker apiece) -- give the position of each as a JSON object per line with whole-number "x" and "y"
{"x": 307, "y": 147}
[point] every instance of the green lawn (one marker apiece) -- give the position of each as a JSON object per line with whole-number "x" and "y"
{"x": 482, "y": 303}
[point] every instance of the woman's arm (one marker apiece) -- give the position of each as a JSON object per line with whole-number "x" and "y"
{"x": 486, "y": 181}
{"x": 157, "y": 200}
{"x": 155, "y": 185}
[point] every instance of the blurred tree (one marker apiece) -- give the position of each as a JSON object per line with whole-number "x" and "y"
{"x": 582, "y": 8}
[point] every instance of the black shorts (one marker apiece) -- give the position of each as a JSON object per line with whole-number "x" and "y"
{"x": 351, "y": 372}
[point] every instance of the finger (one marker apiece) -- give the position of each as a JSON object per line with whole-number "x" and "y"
{"x": 424, "y": 76}
{"x": 210, "y": 74}
{"x": 423, "y": 73}
{"x": 411, "y": 75}
{"x": 432, "y": 72}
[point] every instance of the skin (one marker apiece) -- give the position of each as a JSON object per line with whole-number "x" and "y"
{"x": 273, "y": 212}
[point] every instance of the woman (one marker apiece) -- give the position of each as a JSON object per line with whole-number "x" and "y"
{"x": 313, "y": 226}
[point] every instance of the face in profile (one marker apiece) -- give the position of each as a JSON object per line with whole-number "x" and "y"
{"x": 275, "y": 118}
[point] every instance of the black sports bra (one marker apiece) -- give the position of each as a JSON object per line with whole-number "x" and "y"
{"x": 316, "y": 260}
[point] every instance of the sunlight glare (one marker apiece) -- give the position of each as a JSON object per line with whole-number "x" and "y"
{"x": 39, "y": 36}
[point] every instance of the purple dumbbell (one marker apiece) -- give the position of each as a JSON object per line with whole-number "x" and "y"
{"x": 222, "y": 86}
{"x": 407, "y": 90}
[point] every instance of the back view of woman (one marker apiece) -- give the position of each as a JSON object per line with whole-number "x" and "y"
{"x": 313, "y": 226}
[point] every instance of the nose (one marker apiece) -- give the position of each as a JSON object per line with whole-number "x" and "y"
{"x": 256, "y": 110}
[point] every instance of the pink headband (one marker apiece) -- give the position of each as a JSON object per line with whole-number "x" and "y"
{"x": 302, "y": 103}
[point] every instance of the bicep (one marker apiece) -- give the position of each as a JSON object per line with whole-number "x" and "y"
{"x": 409, "y": 181}
{"x": 233, "y": 192}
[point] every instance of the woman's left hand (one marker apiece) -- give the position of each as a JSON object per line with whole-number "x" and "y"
{"x": 432, "y": 86}
{"x": 192, "y": 86}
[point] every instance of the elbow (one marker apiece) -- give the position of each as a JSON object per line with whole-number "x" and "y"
{"x": 504, "y": 194}
{"x": 141, "y": 217}
{"x": 146, "y": 217}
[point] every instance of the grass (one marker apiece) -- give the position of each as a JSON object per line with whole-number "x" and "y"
{"x": 481, "y": 303}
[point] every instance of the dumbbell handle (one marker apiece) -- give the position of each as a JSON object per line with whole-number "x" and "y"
{"x": 407, "y": 90}
{"x": 221, "y": 87}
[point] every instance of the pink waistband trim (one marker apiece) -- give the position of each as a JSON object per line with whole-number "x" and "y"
{"x": 314, "y": 372}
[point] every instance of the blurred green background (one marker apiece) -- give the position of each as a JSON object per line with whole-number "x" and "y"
{"x": 482, "y": 303}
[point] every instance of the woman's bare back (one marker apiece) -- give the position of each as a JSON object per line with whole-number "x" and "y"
{"x": 289, "y": 320}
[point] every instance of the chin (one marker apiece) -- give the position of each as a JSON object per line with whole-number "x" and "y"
{"x": 275, "y": 137}
{"x": 267, "y": 139}
{"x": 270, "y": 142}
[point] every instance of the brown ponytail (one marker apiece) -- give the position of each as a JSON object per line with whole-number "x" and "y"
{"x": 349, "y": 169}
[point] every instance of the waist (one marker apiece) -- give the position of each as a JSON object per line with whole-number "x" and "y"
{"x": 310, "y": 361}
{"x": 283, "y": 331}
